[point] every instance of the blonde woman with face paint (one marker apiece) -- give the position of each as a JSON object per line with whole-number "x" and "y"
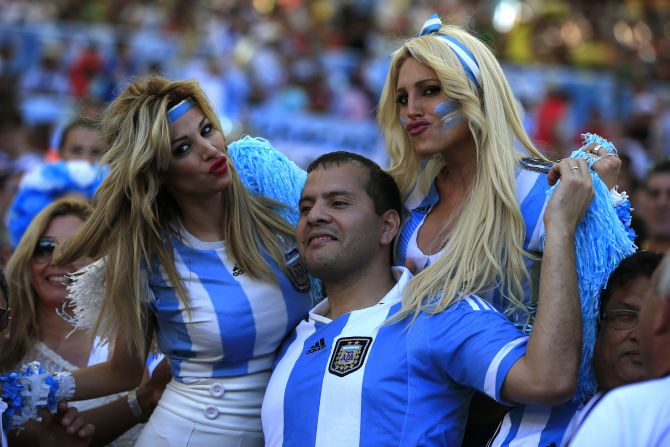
{"x": 473, "y": 202}
{"x": 186, "y": 251}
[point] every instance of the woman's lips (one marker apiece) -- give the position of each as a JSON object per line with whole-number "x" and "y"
{"x": 219, "y": 167}
{"x": 416, "y": 127}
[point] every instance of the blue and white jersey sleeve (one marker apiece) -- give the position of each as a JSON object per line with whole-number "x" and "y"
{"x": 269, "y": 173}
{"x": 531, "y": 192}
{"x": 477, "y": 346}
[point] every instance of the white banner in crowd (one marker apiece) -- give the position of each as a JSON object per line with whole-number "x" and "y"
{"x": 303, "y": 137}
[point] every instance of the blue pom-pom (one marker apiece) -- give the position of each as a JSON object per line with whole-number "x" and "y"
{"x": 602, "y": 240}
{"x": 267, "y": 172}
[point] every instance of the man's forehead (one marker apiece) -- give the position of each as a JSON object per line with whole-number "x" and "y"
{"x": 659, "y": 180}
{"x": 343, "y": 177}
{"x": 632, "y": 294}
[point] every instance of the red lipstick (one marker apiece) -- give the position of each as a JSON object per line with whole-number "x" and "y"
{"x": 220, "y": 166}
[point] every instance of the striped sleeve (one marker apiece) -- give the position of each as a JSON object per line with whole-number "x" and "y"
{"x": 475, "y": 345}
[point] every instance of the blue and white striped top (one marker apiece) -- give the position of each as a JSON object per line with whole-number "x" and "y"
{"x": 524, "y": 425}
{"x": 236, "y": 322}
{"x": 354, "y": 381}
{"x": 531, "y": 187}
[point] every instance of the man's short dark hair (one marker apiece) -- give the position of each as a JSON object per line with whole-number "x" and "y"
{"x": 639, "y": 264}
{"x": 380, "y": 186}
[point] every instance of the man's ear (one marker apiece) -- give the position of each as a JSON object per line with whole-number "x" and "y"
{"x": 390, "y": 227}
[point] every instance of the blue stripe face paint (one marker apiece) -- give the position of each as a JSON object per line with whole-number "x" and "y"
{"x": 450, "y": 113}
{"x": 403, "y": 121}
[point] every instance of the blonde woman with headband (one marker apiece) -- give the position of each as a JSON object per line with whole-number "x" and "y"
{"x": 190, "y": 253}
{"x": 474, "y": 203}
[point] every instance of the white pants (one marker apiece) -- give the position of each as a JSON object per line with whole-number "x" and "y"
{"x": 222, "y": 412}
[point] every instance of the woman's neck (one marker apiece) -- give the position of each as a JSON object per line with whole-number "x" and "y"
{"x": 460, "y": 166}
{"x": 203, "y": 219}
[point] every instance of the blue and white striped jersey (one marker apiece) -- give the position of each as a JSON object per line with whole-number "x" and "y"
{"x": 356, "y": 381}
{"x": 531, "y": 187}
{"x": 533, "y": 425}
{"x": 236, "y": 322}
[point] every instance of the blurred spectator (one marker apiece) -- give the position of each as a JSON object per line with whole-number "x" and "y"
{"x": 639, "y": 414}
{"x": 48, "y": 76}
{"x": 354, "y": 102}
{"x": 631, "y": 146}
{"x": 9, "y": 72}
{"x": 42, "y": 186}
{"x": 81, "y": 140}
{"x": 661, "y": 130}
{"x": 119, "y": 68}
{"x": 553, "y": 132}
{"x": 616, "y": 358}
{"x": 85, "y": 73}
{"x": 656, "y": 206}
{"x": 595, "y": 123}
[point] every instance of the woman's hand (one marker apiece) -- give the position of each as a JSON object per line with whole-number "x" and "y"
{"x": 607, "y": 167}
{"x": 572, "y": 197}
{"x": 149, "y": 393}
{"x": 64, "y": 428}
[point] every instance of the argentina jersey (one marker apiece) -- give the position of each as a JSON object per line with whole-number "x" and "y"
{"x": 355, "y": 381}
{"x": 531, "y": 189}
{"x": 236, "y": 321}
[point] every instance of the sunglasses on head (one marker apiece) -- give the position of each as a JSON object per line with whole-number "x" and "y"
{"x": 5, "y": 316}
{"x": 44, "y": 249}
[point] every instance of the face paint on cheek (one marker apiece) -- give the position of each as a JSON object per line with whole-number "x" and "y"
{"x": 403, "y": 121}
{"x": 449, "y": 113}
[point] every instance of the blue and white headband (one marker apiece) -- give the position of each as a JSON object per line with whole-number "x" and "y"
{"x": 178, "y": 110}
{"x": 432, "y": 26}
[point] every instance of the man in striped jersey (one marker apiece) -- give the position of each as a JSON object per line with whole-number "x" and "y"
{"x": 347, "y": 376}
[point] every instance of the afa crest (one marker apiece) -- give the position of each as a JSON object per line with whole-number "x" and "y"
{"x": 348, "y": 355}
{"x": 297, "y": 272}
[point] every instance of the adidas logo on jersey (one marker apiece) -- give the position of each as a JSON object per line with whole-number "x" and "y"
{"x": 319, "y": 345}
{"x": 237, "y": 270}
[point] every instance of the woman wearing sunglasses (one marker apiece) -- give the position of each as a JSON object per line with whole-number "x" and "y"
{"x": 37, "y": 289}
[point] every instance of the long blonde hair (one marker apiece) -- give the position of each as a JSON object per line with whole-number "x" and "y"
{"x": 485, "y": 248}
{"x": 134, "y": 215}
{"x": 22, "y": 298}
